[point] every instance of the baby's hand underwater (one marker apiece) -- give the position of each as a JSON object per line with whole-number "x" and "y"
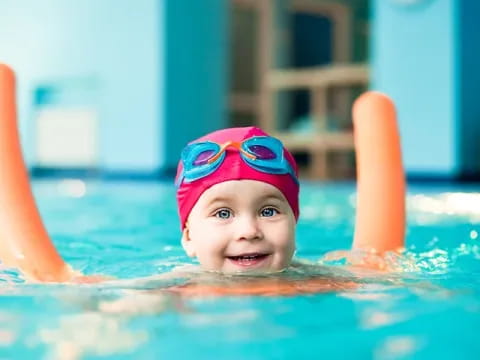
{"x": 89, "y": 279}
{"x": 390, "y": 261}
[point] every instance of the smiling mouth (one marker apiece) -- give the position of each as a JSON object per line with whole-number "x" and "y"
{"x": 247, "y": 260}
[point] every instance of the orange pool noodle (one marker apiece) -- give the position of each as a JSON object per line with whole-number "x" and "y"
{"x": 380, "y": 221}
{"x": 24, "y": 242}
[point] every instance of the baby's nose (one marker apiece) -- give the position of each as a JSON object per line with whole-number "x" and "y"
{"x": 248, "y": 228}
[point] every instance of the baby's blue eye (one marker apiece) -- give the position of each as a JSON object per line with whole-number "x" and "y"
{"x": 223, "y": 214}
{"x": 269, "y": 211}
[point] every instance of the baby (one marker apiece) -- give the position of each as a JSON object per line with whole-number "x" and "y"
{"x": 237, "y": 193}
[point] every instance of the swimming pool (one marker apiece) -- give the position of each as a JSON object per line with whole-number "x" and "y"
{"x": 130, "y": 230}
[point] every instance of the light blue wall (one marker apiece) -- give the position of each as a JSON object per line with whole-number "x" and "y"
{"x": 156, "y": 69}
{"x": 115, "y": 43}
{"x": 196, "y": 59}
{"x": 415, "y": 61}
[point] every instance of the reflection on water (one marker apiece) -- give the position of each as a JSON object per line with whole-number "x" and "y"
{"x": 82, "y": 334}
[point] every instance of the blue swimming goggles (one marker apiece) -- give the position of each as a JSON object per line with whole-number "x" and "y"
{"x": 262, "y": 153}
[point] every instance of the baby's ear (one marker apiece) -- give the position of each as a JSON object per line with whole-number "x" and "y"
{"x": 187, "y": 243}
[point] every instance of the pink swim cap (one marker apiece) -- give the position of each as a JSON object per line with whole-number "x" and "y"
{"x": 234, "y": 167}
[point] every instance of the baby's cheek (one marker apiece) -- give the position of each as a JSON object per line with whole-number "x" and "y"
{"x": 285, "y": 237}
{"x": 212, "y": 252}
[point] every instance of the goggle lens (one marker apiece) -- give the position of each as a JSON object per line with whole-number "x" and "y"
{"x": 262, "y": 152}
{"x": 204, "y": 157}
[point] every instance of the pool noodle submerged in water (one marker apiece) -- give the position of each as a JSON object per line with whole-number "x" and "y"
{"x": 380, "y": 219}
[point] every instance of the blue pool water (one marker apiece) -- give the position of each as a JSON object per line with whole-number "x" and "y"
{"x": 430, "y": 309}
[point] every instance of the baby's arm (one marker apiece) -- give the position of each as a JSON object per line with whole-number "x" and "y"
{"x": 24, "y": 242}
{"x": 380, "y": 221}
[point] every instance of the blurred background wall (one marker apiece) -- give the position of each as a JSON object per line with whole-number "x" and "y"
{"x": 425, "y": 55}
{"x": 116, "y": 88}
{"x": 114, "y": 85}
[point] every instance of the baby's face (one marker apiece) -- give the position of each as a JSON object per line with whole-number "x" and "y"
{"x": 241, "y": 226}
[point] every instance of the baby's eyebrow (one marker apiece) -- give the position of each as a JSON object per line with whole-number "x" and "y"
{"x": 222, "y": 199}
{"x": 272, "y": 197}
{"x": 231, "y": 199}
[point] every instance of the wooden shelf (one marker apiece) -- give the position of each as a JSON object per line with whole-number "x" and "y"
{"x": 317, "y": 146}
{"x": 317, "y": 81}
{"x": 316, "y": 142}
{"x": 329, "y": 87}
{"x": 244, "y": 103}
{"x": 320, "y": 77}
